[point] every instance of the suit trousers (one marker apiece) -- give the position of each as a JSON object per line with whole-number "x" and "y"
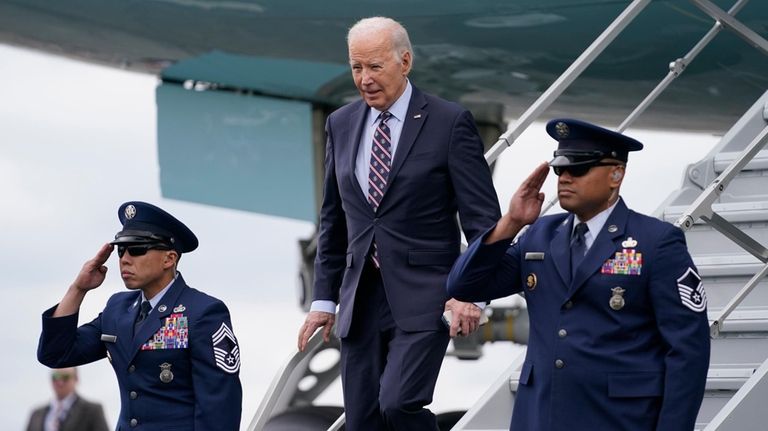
{"x": 388, "y": 375}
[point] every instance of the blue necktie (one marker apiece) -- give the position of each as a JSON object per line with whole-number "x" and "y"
{"x": 381, "y": 162}
{"x": 578, "y": 246}
{"x": 146, "y": 307}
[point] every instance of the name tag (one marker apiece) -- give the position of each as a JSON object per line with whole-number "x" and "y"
{"x": 534, "y": 255}
{"x": 108, "y": 338}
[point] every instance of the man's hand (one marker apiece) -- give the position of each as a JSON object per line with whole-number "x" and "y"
{"x": 524, "y": 207}
{"x": 465, "y": 319}
{"x": 93, "y": 272}
{"x": 315, "y": 320}
{"x": 90, "y": 277}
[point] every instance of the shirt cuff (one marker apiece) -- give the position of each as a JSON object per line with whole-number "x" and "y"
{"x": 481, "y": 305}
{"x": 324, "y": 306}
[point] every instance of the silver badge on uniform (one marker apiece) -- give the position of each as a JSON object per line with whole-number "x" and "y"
{"x": 162, "y": 308}
{"x": 629, "y": 243}
{"x": 617, "y": 300}
{"x": 179, "y": 309}
{"x": 166, "y": 376}
{"x": 534, "y": 255}
{"x": 613, "y": 228}
{"x": 225, "y": 349}
{"x": 130, "y": 212}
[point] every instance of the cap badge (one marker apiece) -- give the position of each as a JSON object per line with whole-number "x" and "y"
{"x": 166, "y": 376}
{"x": 130, "y": 212}
{"x": 617, "y": 300}
{"x": 562, "y": 129}
{"x": 530, "y": 281}
{"x": 629, "y": 243}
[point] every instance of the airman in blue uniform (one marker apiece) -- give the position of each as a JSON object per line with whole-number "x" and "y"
{"x": 175, "y": 356}
{"x": 619, "y": 333}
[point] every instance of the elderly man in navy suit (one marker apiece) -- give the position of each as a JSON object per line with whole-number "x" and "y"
{"x": 619, "y": 332}
{"x": 400, "y": 164}
{"x": 172, "y": 347}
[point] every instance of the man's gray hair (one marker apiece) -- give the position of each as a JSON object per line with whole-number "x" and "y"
{"x": 383, "y": 25}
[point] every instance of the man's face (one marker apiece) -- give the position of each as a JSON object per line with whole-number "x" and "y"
{"x": 588, "y": 195}
{"x": 378, "y": 73}
{"x": 145, "y": 270}
{"x": 63, "y": 381}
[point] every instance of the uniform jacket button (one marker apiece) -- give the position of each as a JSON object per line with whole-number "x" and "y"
{"x": 133, "y": 395}
{"x": 568, "y": 305}
{"x": 559, "y": 363}
{"x": 134, "y": 422}
{"x": 562, "y": 333}
{"x": 132, "y": 368}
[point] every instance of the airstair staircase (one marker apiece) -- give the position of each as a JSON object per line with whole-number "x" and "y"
{"x": 723, "y": 205}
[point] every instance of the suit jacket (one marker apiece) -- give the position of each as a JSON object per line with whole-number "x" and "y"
{"x": 179, "y": 371}
{"x": 437, "y": 170}
{"x": 622, "y": 346}
{"x": 82, "y": 416}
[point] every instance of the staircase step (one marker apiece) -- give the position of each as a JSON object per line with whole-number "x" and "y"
{"x": 734, "y": 212}
{"x": 727, "y": 264}
{"x": 724, "y": 159}
{"x": 720, "y": 291}
{"x": 739, "y": 350}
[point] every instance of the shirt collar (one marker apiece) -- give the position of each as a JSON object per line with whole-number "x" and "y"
{"x": 398, "y": 109}
{"x": 65, "y": 404}
{"x": 156, "y": 299}
{"x": 596, "y": 223}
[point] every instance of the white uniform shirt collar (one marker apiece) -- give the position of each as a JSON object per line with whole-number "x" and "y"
{"x": 156, "y": 299}
{"x": 595, "y": 224}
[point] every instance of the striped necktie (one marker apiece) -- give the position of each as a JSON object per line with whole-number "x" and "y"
{"x": 378, "y": 169}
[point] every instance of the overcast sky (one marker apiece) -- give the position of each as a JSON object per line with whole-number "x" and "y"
{"x": 76, "y": 140}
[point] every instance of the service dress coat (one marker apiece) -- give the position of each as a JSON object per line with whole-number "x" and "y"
{"x": 438, "y": 171}
{"x": 179, "y": 372}
{"x": 624, "y": 345}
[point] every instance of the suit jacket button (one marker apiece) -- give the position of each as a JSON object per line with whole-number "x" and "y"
{"x": 132, "y": 368}
{"x": 559, "y": 363}
{"x": 376, "y": 221}
{"x": 134, "y": 422}
{"x": 133, "y": 395}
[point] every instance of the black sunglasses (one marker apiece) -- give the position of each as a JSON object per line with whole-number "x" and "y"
{"x": 580, "y": 170}
{"x": 139, "y": 250}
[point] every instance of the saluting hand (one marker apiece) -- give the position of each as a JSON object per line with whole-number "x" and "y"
{"x": 524, "y": 207}
{"x": 94, "y": 271}
{"x": 90, "y": 277}
{"x": 315, "y": 320}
